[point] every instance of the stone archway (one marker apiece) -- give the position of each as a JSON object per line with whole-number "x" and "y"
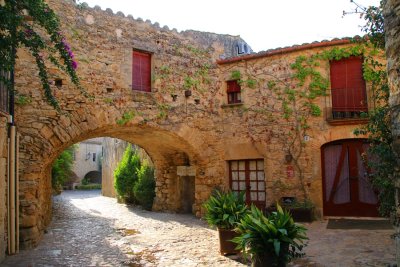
{"x": 167, "y": 149}
{"x": 93, "y": 177}
{"x": 175, "y": 127}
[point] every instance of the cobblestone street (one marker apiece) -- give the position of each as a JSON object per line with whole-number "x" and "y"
{"x": 91, "y": 230}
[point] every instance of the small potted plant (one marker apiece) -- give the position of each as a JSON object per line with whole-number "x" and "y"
{"x": 272, "y": 241}
{"x": 224, "y": 210}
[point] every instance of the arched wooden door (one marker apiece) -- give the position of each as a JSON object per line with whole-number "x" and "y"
{"x": 346, "y": 188}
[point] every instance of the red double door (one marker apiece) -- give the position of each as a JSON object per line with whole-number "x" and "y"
{"x": 347, "y": 190}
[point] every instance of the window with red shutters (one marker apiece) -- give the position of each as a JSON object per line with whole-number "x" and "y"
{"x": 349, "y": 97}
{"x": 141, "y": 71}
{"x": 233, "y": 91}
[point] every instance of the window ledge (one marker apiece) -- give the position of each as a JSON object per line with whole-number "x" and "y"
{"x": 232, "y": 105}
{"x": 349, "y": 121}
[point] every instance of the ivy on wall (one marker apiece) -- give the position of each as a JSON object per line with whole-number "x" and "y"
{"x": 294, "y": 96}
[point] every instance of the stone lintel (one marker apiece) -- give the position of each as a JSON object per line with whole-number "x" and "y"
{"x": 186, "y": 170}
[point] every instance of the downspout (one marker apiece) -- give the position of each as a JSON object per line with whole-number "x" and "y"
{"x": 12, "y": 194}
{"x": 17, "y": 194}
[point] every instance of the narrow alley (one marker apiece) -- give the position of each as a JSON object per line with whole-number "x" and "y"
{"x": 91, "y": 230}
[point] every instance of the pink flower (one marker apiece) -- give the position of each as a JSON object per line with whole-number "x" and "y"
{"x": 74, "y": 65}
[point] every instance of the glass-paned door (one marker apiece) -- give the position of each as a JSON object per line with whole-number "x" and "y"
{"x": 248, "y": 176}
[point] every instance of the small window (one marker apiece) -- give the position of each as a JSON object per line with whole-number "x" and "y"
{"x": 233, "y": 91}
{"x": 349, "y": 97}
{"x": 141, "y": 71}
{"x": 94, "y": 156}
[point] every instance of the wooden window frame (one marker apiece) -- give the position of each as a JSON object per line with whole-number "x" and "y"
{"x": 259, "y": 203}
{"x": 233, "y": 90}
{"x": 141, "y": 70}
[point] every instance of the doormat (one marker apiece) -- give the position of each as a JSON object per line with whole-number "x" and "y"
{"x": 359, "y": 224}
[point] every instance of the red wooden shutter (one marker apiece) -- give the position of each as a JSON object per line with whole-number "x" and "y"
{"x": 233, "y": 86}
{"x": 348, "y": 85}
{"x": 141, "y": 71}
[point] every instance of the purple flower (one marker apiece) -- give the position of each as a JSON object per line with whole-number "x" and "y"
{"x": 74, "y": 65}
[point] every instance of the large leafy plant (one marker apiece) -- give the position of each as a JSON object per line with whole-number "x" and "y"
{"x": 224, "y": 210}
{"x": 277, "y": 237}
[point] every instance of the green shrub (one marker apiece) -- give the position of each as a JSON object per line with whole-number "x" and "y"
{"x": 88, "y": 187}
{"x": 85, "y": 181}
{"x": 144, "y": 189}
{"x": 126, "y": 174}
{"x": 62, "y": 168}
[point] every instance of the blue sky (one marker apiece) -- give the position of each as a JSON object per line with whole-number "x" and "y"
{"x": 264, "y": 24}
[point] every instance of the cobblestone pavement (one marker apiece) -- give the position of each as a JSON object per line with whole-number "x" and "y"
{"x": 91, "y": 230}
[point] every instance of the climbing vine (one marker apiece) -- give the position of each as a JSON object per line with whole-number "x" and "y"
{"x": 291, "y": 95}
{"x": 34, "y": 25}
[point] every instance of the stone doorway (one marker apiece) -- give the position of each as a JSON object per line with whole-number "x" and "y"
{"x": 187, "y": 190}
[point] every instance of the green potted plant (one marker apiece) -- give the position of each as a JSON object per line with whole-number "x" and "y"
{"x": 224, "y": 210}
{"x": 301, "y": 211}
{"x": 272, "y": 241}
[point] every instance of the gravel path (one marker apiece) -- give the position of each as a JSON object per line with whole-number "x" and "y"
{"x": 91, "y": 230}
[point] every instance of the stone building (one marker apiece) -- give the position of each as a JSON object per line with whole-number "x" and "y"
{"x": 275, "y": 124}
{"x": 87, "y": 160}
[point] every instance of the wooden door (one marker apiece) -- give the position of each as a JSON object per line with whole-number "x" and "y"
{"x": 187, "y": 186}
{"x": 248, "y": 176}
{"x": 346, "y": 188}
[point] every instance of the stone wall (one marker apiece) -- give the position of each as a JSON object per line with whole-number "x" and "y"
{"x": 392, "y": 37}
{"x": 3, "y": 185}
{"x": 113, "y": 152}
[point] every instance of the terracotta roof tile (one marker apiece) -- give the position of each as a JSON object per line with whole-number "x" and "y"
{"x": 289, "y": 49}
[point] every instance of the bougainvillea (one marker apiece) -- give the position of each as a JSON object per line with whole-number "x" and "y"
{"x": 34, "y": 25}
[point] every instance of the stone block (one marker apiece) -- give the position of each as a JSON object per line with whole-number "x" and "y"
{"x": 186, "y": 170}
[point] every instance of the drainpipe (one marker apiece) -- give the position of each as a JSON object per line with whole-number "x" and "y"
{"x": 17, "y": 194}
{"x": 13, "y": 208}
{"x": 11, "y": 192}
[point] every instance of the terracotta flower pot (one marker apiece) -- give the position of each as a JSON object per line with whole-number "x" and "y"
{"x": 226, "y": 246}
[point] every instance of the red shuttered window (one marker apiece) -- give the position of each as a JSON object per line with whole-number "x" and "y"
{"x": 233, "y": 91}
{"x": 349, "y": 97}
{"x": 141, "y": 71}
